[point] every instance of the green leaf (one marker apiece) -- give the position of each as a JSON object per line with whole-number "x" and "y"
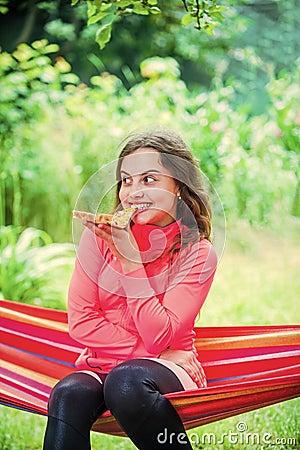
{"x": 112, "y": 7}
{"x": 51, "y": 48}
{"x": 209, "y": 29}
{"x": 3, "y": 8}
{"x": 74, "y": 2}
{"x": 155, "y": 10}
{"x": 70, "y": 78}
{"x": 92, "y": 9}
{"x": 124, "y": 3}
{"x": 97, "y": 17}
{"x": 218, "y": 8}
{"x": 24, "y": 52}
{"x": 104, "y": 34}
{"x": 218, "y": 16}
{"x": 62, "y": 65}
{"x": 106, "y": 12}
{"x": 187, "y": 19}
{"x": 140, "y": 9}
{"x": 40, "y": 45}
{"x": 6, "y": 61}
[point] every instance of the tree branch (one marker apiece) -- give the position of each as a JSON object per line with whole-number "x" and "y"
{"x": 198, "y": 15}
{"x": 185, "y": 5}
{"x": 29, "y": 23}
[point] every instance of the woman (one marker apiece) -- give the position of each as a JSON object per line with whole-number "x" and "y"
{"x": 133, "y": 299}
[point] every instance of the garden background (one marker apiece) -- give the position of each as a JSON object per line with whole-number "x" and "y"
{"x": 231, "y": 90}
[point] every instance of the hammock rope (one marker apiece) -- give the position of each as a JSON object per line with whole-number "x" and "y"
{"x": 247, "y": 367}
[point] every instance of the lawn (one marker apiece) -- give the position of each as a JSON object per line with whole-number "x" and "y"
{"x": 257, "y": 283}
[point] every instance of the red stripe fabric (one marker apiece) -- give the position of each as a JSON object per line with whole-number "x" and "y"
{"x": 246, "y": 367}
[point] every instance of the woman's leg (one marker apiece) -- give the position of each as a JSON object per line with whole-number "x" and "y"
{"x": 74, "y": 405}
{"x": 133, "y": 392}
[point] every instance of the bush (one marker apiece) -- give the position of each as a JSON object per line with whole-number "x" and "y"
{"x": 29, "y": 261}
{"x": 57, "y": 132}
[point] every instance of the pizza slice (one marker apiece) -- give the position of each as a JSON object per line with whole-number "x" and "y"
{"x": 120, "y": 219}
{"x": 85, "y": 216}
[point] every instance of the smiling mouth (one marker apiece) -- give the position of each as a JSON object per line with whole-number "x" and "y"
{"x": 140, "y": 206}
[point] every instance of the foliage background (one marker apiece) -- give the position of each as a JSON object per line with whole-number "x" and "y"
{"x": 233, "y": 96}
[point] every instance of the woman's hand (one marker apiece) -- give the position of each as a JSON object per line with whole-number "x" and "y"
{"x": 187, "y": 359}
{"x": 121, "y": 242}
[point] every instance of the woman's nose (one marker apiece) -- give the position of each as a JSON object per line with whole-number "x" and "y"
{"x": 136, "y": 194}
{"x": 136, "y": 190}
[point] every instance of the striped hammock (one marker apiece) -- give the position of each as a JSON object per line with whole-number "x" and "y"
{"x": 247, "y": 367}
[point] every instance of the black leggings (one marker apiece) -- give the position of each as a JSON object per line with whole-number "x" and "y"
{"x": 132, "y": 392}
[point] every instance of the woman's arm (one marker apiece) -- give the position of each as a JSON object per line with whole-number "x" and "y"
{"x": 161, "y": 323}
{"x": 87, "y": 325}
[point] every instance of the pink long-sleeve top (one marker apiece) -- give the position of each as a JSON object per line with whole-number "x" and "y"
{"x": 119, "y": 317}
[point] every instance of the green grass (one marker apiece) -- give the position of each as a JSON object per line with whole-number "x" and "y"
{"x": 262, "y": 427}
{"x": 258, "y": 283}
{"x": 24, "y": 431}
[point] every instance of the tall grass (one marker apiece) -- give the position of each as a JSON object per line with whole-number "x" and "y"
{"x": 257, "y": 282}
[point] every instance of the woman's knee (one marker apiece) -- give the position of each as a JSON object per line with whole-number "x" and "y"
{"x": 126, "y": 375}
{"x": 129, "y": 385}
{"x": 74, "y": 391}
{"x": 140, "y": 376}
{"x": 125, "y": 389}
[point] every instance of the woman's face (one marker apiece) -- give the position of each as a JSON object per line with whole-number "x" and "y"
{"x": 149, "y": 186}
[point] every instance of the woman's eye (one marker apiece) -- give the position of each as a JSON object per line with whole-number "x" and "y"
{"x": 149, "y": 179}
{"x": 125, "y": 180}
